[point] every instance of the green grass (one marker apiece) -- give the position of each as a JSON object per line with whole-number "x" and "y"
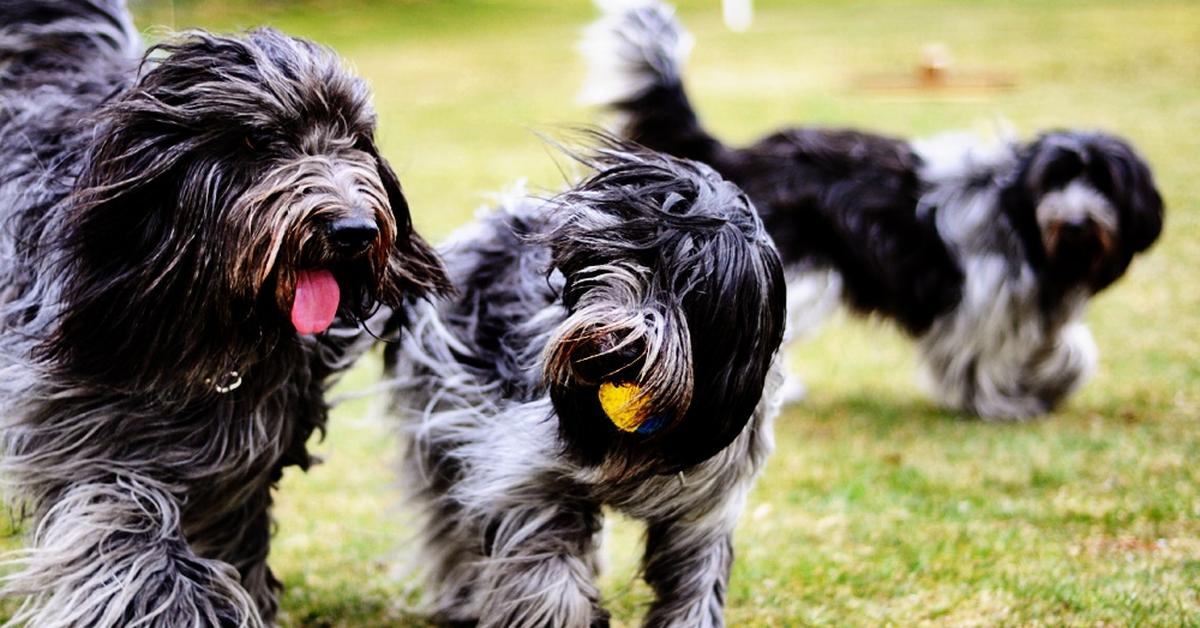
{"x": 877, "y": 508}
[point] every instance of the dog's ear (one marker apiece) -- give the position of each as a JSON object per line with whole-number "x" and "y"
{"x": 416, "y": 270}
{"x": 129, "y": 298}
{"x": 1131, "y": 185}
{"x": 1145, "y": 217}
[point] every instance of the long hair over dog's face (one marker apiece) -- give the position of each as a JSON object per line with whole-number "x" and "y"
{"x": 232, "y": 198}
{"x": 673, "y": 286}
{"x": 1087, "y": 204}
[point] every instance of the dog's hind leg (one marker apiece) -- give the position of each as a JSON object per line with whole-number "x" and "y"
{"x": 812, "y": 296}
{"x": 112, "y": 553}
{"x": 451, "y": 562}
{"x": 539, "y": 572}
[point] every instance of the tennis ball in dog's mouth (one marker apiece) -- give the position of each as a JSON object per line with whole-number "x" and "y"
{"x": 623, "y": 407}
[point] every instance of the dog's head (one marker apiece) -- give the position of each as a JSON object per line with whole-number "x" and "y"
{"x": 1092, "y": 203}
{"x": 676, "y": 303}
{"x": 232, "y": 199}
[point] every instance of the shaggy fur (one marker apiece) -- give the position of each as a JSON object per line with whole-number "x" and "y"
{"x": 987, "y": 255}
{"x": 155, "y": 216}
{"x": 654, "y": 271}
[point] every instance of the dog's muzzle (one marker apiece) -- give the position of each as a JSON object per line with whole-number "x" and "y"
{"x": 318, "y": 291}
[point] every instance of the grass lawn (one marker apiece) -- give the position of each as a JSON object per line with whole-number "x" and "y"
{"x": 877, "y": 507}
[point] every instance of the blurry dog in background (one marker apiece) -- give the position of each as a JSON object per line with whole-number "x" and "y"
{"x": 176, "y": 232}
{"x": 613, "y": 346}
{"x": 987, "y": 255}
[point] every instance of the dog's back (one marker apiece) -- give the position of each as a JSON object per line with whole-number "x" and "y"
{"x": 464, "y": 377}
{"x": 848, "y": 200}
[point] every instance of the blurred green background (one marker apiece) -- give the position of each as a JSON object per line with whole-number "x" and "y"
{"x": 877, "y": 508}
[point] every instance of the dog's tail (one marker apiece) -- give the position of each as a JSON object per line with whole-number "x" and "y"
{"x": 61, "y": 34}
{"x": 636, "y": 53}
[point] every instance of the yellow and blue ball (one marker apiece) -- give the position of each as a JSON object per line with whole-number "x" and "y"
{"x": 626, "y": 408}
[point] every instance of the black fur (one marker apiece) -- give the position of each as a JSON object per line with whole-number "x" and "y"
{"x": 693, "y": 230}
{"x": 888, "y": 221}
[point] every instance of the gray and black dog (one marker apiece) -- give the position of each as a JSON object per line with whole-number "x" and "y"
{"x": 613, "y": 346}
{"x": 987, "y": 255}
{"x": 191, "y": 240}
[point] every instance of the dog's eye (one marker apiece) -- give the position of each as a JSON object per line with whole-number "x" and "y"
{"x": 250, "y": 143}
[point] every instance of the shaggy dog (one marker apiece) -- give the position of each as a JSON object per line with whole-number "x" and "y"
{"x": 610, "y": 347}
{"x": 176, "y": 234}
{"x": 986, "y": 255}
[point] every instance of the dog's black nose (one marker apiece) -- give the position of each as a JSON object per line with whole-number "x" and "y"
{"x": 352, "y": 235}
{"x": 1075, "y": 231}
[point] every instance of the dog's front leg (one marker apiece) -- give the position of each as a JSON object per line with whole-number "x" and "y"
{"x": 540, "y": 570}
{"x": 687, "y": 564}
{"x": 1015, "y": 379}
{"x": 112, "y": 553}
{"x": 242, "y": 538}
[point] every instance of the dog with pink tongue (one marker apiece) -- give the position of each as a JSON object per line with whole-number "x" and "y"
{"x": 194, "y": 240}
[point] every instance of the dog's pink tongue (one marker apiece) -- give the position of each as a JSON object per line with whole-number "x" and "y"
{"x": 316, "y": 301}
